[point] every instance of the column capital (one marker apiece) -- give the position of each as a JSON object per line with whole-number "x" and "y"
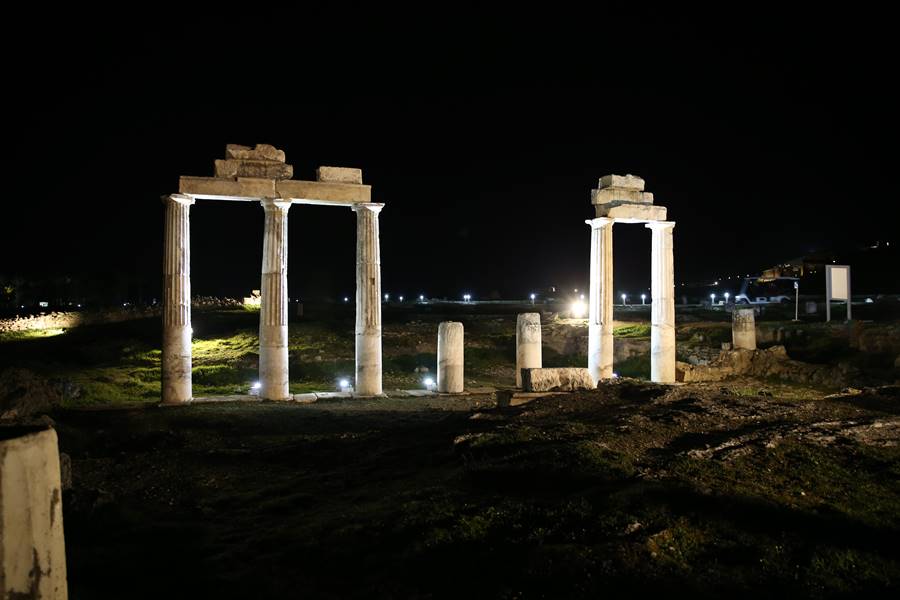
{"x": 275, "y": 204}
{"x": 179, "y": 198}
{"x": 599, "y": 222}
{"x": 660, "y": 224}
{"x": 375, "y": 207}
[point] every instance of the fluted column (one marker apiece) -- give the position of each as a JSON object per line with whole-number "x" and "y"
{"x": 368, "y": 300}
{"x": 176, "y": 343}
{"x": 450, "y": 358}
{"x": 662, "y": 311}
{"x": 273, "y": 321}
{"x": 600, "y": 311}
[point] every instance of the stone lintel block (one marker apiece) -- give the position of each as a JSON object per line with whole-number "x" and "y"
{"x": 607, "y": 195}
{"x": 239, "y": 188}
{"x": 261, "y": 152}
{"x": 625, "y": 182}
{"x": 325, "y": 192}
{"x": 265, "y": 169}
{"x": 339, "y": 175}
{"x": 636, "y": 212}
{"x": 558, "y": 379}
{"x": 247, "y": 188}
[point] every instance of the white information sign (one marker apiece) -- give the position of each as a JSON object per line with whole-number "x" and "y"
{"x": 837, "y": 287}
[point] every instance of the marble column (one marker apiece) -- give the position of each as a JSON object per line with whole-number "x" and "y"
{"x": 450, "y": 358}
{"x": 273, "y": 314}
{"x": 368, "y": 300}
{"x": 600, "y": 310}
{"x": 528, "y": 344}
{"x": 662, "y": 311}
{"x": 176, "y": 342}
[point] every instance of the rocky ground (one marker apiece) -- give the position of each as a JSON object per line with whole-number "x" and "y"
{"x": 703, "y": 489}
{"x": 781, "y": 479}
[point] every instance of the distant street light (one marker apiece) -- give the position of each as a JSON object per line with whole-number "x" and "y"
{"x": 532, "y": 298}
{"x": 401, "y": 298}
{"x": 643, "y": 298}
{"x": 727, "y": 295}
{"x": 467, "y": 297}
{"x": 712, "y": 299}
{"x": 624, "y": 303}
{"x": 346, "y": 299}
{"x": 387, "y": 297}
{"x": 421, "y": 297}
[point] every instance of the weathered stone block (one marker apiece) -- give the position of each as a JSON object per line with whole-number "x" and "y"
{"x": 628, "y": 182}
{"x": 637, "y": 212}
{"x": 32, "y": 547}
{"x": 263, "y": 169}
{"x": 339, "y": 175}
{"x": 261, "y": 152}
{"x": 562, "y": 379}
{"x": 743, "y": 329}
{"x": 608, "y": 195}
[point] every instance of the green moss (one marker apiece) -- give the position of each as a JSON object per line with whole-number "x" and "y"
{"x": 638, "y": 330}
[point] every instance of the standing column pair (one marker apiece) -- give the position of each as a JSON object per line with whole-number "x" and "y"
{"x": 662, "y": 316}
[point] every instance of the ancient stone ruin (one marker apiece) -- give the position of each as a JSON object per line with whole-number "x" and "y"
{"x": 32, "y": 546}
{"x": 261, "y": 175}
{"x": 622, "y": 199}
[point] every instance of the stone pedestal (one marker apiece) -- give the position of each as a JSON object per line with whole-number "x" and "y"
{"x": 528, "y": 344}
{"x": 176, "y": 342}
{"x": 743, "y": 329}
{"x": 600, "y": 310}
{"x": 662, "y": 311}
{"x": 32, "y": 546}
{"x": 273, "y": 319}
{"x": 368, "y": 300}
{"x": 450, "y": 358}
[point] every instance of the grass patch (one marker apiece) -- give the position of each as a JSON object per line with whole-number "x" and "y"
{"x": 638, "y": 330}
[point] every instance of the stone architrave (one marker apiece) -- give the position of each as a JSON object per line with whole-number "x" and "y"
{"x": 528, "y": 344}
{"x": 450, "y": 358}
{"x": 273, "y": 314}
{"x": 600, "y": 309}
{"x": 368, "y": 300}
{"x": 662, "y": 311}
{"x": 32, "y": 545}
{"x": 743, "y": 329}
{"x": 176, "y": 342}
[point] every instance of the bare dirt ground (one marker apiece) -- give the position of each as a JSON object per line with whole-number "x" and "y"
{"x": 737, "y": 488}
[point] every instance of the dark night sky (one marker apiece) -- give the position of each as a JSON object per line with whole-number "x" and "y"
{"x": 765, "y": 133}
